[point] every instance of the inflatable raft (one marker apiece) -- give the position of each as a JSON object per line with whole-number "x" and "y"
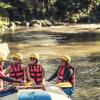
{"x": 50, "y": 93}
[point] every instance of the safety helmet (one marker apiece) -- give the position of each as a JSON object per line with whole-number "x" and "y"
{"x": 18, "y": 56}
{"x": 66, "y": 58}
{"x": 34, "y": 55}
{"x": 1, "y": 58}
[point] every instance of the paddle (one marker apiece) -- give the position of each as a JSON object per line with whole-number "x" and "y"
{"x": 29, "y": 85}
{"x": 64, "y": 85}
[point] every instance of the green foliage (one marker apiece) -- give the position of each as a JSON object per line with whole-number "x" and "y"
{"x": 4, "y": 17}
{"x": 3, "y": 21}
{"x": 4, "y": 5}
{"x": 61, "y": 10}
{"x": 74, "y": 10}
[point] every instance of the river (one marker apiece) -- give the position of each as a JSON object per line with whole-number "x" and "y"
{"x": 83, "y": 47}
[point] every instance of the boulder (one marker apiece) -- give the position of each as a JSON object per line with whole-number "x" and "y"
{"x": 41, "y": 22}
{"x": 18, "y": 22}
{"x": 48, "y": 23}
{"x": 4, "y": 50}
{"x": 35, "y": 23}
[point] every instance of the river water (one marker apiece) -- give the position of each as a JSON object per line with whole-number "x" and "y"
{"x": 84, "y": 49}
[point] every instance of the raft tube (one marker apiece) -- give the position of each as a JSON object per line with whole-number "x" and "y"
{"x": 51, "y": 93}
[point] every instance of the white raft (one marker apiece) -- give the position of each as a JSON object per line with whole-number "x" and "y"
{"x": 51, "y": 93}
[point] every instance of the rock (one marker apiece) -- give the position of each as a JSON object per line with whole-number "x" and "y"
{"x": 24, "y": 23}
{"x": 32, "y": 22}
{"x": 41, "y": 22}
{"x": 55, "y": 22}
{"x": 18, "y": 23}
{"x": 4, "y": 50}
{"x": 48, "y": 23}
{"x": 35, "y": 23}
{"x": 13, "y": 26}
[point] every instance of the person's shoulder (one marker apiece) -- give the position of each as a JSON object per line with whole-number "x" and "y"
{"x": 71, "y": 66}
{"x": 10, "y": 65}
{"x": 59, "y": 66}
{"x": 41, "y": 66}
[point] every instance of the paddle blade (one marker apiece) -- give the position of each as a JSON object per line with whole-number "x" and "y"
{"x": 64, "y": 84}
{"x": 28, "y": 84}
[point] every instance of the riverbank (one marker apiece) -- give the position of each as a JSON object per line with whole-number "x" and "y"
{"x": 67, "y": 28}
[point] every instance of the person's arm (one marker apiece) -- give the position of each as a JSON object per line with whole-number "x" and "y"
{"x": 6, "y": 78}
{"x": 1, "y": 67}
{"x": 1, "y": 85}
{"x": 28, "y": 76}
{"x": 7, "y": 70}
{"x": 9, "y": 79}
{"x": 53, "y": 76}
{"x": 68, "y": 74}
{"x": 43, "y": 75}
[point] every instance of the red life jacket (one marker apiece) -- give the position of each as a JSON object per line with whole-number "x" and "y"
{"x": 1, "y": 75}
{"x": 61, "y": 72}
{"x": 16, "y": 72}
{"x": 36, "y": 72}
{"x": 1, "y": 66}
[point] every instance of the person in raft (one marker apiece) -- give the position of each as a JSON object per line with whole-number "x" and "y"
{"x": 16, "y": 70}
{"x": 35, "y": 72}
{"x": 66, "y": 75}
{"x": 3, "y": 77}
